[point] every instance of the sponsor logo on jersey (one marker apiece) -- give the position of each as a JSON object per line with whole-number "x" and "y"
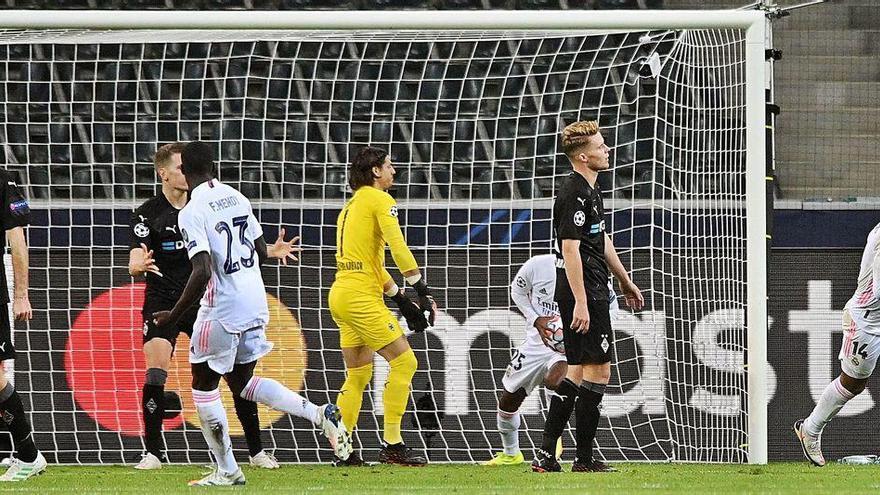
{"x": 141, "y": 230}
{"x": 597, "y": 227}
{"x": 172, "y": 245}
{"x": 579, "y": 218}
{"x": 19, "y": 207}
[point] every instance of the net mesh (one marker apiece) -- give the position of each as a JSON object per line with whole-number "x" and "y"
{"x": 472, "y": 121}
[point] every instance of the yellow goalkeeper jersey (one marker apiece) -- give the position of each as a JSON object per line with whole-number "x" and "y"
{"x": 366, "y": 224}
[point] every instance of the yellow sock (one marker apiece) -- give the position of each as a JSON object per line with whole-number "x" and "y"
{"x": 396, "y": 394}
{"x": 351, "y": 395}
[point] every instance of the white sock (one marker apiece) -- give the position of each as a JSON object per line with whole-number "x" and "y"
{"x": 832, "y": 400}
{"x": 277, "y": 396}
{"x": 215, "y": 428}
{"x": 508, "y": 427}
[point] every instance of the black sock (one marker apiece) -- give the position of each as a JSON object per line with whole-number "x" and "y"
{"x": 587, "y": 414}
{"x": 557, "y": 417}
{"x": 153, "y": 408}
{"x": 249, "y": 418}
{"x": 12, "y": 412}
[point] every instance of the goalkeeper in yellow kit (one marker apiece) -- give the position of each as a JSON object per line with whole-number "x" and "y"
{"x": 366, "y": 326}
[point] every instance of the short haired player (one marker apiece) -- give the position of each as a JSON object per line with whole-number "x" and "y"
{"x": 858, "y": 352}
{"x": 226, "y": 246}
{"x": 366, "y": 224}
{"x": 539, "y": 359}
{"x": 15, "y": 216}
{"x": 158, "y": 253}
{"x": 584, "y": 253}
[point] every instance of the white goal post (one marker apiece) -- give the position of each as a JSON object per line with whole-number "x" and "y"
{"x": 120, "y": 27}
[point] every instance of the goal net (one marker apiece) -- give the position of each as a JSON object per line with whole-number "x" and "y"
{"x": 471, "y": 119}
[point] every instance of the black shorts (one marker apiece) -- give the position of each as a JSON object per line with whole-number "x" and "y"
{"x": 168, "y": 332}
{"x": 593, "y": 347}
{"x": 7, "y": 350}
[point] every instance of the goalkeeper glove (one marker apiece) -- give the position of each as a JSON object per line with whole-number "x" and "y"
{"x": 414, "y": 316}
{"x": 426, "y": 300}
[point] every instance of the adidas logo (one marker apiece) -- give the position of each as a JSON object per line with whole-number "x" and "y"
{"x": 543, "y": 291}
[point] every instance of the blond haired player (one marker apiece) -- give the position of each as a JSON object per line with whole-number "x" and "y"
{"x": 366, "y": 224}
{"x": 584, "y": 254}
{"x": 858, "y": 352}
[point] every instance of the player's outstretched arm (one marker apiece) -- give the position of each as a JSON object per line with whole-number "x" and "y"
{"x": 21, "y": 305}
{"x": 631, "y": 293}
{"x": 195, "y": 287}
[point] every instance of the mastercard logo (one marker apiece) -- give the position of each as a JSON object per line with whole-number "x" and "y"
{"x": 105, "y": 368}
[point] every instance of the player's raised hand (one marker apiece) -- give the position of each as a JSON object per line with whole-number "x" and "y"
{"x": 633, "y": 296}
{"x": 580, "y": 320}
{"x": 149, "y": 264}
{"x": 283, "y": 250}
{"x": 21, "y": 308}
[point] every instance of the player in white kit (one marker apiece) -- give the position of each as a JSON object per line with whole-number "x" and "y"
{"x": 539, "y": 359}
{"x": 858, "y": 352}
{"x": 226, "y": 247}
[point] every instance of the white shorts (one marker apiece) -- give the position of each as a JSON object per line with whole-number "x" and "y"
{"x": 861, "y": 343}
{"x": 222, "y": 350}
{"x": 529, "y": 365}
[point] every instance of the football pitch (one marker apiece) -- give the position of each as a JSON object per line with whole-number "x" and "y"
{"x": 780, "y": 477}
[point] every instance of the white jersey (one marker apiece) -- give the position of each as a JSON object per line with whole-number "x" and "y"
{"x": 865, "y": 296}
{"x": 532, "y": 290}
{"x": 219, "y": 220}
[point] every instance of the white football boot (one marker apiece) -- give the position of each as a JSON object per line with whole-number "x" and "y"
{"x": 219, "y": 478}
{"x": 264, "y": 460}
{"x": 20, "y": 470}
{"x": 811, "y": 445}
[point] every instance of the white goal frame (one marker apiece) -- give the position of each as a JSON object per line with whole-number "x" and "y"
{"x": 753, "y": 22}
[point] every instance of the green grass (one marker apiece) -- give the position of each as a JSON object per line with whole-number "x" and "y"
{"x": 797, "y": 478}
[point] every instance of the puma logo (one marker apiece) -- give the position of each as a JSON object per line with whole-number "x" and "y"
{"x": 582, "y": 200}
{"x": 172, "y": 229}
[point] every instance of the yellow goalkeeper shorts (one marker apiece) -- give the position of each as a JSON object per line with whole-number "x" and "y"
{"x": 362, "y": 319}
